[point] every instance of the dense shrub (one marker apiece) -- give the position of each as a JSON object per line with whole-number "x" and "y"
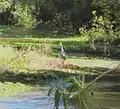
{"x": 23, "y": 16}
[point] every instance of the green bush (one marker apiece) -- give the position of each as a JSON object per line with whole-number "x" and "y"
{"x": 5, "y": 4}
{"x": 23, "y": 16}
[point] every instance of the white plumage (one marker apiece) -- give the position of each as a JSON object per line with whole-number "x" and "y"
{"x": 62, "y": 52}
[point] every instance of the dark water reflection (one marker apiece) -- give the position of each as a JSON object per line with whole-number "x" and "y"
{"x": 104, "y": 98}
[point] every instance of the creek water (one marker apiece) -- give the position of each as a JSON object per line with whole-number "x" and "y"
{"x": 32, "y": 100}
{"x": 106, "y": 96}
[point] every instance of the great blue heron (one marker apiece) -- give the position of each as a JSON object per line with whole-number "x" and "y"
{"x": 62, "y": 52}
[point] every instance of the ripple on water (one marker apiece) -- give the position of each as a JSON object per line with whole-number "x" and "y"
{"x": 25, "y": 103}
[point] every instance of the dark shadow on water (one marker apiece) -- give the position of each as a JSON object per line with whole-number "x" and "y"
{"x": 33, "y": 78}
{"x": 35, "y": 75}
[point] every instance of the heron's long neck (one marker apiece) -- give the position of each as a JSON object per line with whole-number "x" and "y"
{"x": 62, "y": 49}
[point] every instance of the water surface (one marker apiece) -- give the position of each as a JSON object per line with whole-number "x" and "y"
{"x": 105, "y": 97}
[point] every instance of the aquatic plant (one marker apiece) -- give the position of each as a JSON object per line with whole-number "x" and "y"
{"x": 75, "y": 91}
{"x": 72, "y": 91}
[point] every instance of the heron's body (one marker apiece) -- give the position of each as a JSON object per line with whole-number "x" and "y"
{"x": 62, "y": 52}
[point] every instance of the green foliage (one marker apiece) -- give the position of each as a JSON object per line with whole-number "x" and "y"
{"x": 23, "y": 16}
{"x": 101, "y": 27}
{"x": 75, "y": 91}
{"x": 108, "y": 8}
{"x": 65, "y": 15}
{"x": 5, "y": 4}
